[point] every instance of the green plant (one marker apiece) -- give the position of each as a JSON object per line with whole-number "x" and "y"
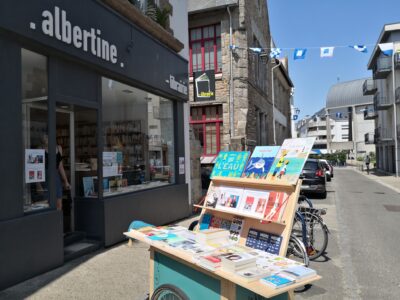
{"x": 162, "y": 16}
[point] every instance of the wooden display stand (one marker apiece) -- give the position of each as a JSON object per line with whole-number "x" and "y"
{"x": 173, "y": 266}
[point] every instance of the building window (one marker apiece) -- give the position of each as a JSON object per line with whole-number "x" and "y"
{"x": 205, "y": 48}
{"x": 34, "y": 130}
{"x": 138, "y": 129}
{"x": 206, "y": 124}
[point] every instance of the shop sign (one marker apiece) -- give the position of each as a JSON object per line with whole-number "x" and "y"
{"x": 204, "y": 85}
{"x": 56, "y": 25}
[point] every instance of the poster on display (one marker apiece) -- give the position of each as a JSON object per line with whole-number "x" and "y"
{"x": 181, "y": 165}
{"x": 204, "y": 85}
{"x": 35, "y": 165}
{"x": 111, "y": 163}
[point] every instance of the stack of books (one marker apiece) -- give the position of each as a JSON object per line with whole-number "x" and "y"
{"x": 288, "y": 276}
{"x": 276, "y": 281}
{"x": 212, "y": 236}
{"x": 238, "y": 261}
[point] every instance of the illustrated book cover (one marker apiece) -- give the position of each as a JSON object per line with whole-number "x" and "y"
{"x": 229, "y": 198}
{"x": 260, "y": 162}
{"x": 290, "y": 160}
{"x": 254, "y": 202}
{"x": 230, "y": 164}
{"x": 276, "y": 205}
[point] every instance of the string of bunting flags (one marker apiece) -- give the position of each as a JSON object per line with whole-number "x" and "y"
{"x": 325, "y": 52}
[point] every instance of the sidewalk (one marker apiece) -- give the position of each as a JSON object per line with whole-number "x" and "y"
{"x": 120, "y": 272}
{"x": 389, "y": 181}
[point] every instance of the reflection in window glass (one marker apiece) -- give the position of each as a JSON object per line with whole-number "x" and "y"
{"x": 138, "y": 139}
{"x": 34, "y": 129}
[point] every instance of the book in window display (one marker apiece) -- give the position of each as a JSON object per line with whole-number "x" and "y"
{"x": 290, "y": 160}
{"x": 260, "y": 162}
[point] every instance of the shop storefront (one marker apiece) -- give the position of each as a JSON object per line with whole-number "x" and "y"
{"x": 91, "y": 118}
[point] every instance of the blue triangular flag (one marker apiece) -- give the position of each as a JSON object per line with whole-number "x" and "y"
{"x": 299, "y": 53}
{"x": 360, "y": 48}
{"x": 386, "y": 48}
{"x": 275, "y": 52}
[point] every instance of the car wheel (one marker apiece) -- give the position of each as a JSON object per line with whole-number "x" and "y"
{"x": 323, "y": 195}
{"x": 328, "y": 178}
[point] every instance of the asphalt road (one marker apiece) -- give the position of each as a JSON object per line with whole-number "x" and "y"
{"x": 362, "y": 259}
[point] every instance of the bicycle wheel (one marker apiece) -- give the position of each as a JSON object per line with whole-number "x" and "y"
{"x": 168, "y": 292}
{"x": 297, "y": 251}
{"x": 317, "y": 234}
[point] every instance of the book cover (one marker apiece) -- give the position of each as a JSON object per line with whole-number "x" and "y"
{"x": 214, "y": 193}
{"x": 276, "y": 205}
{"x": 260, "y": 162}
{"x": 276, "y": 281}
{"x": 254, "y": 202}
{"x": 230, "y": 164}
{"x": 236, "y": 229}
{"x": 215, "y": 222}
{"x": 252, "y": 273}
{"x": 297, "y": 273}
{"x": 230, "y": 198}
{"x": 205, "y": 221}
{"x": 88, "y": 186}
{"x": 290, "y": 160}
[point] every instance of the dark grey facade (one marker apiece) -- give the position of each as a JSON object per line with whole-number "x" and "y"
{"x": 32, "y": 243}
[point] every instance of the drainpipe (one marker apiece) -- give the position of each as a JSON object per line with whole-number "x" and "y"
{"x": 395, "y": 115}
{"x": 273, "y": 101}
{"x": 231, "y": 106}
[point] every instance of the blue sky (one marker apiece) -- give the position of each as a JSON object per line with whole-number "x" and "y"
{"x": 320, "y": 23}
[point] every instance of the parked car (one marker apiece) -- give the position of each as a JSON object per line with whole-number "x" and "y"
{"x": 314, "y": 178}
{"x": 328, "y": 169}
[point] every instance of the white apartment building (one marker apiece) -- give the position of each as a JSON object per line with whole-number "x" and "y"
{"x": 316, "y": 126}
{"x": 347, "y": 104}
{"x": 385, "y": 88}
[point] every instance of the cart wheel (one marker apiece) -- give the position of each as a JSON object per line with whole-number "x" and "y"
{"x": 168, "y": 292}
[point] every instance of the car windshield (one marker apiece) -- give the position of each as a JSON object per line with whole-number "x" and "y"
{"x": 311, "y": 165}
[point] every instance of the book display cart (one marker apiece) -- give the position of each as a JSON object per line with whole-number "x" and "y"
{"x": 266, "y": 231}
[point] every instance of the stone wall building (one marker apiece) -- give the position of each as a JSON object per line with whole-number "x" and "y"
{"x": 242, "y": 77}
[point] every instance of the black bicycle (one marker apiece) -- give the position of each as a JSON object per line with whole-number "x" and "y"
{"x": 169, "y": 292}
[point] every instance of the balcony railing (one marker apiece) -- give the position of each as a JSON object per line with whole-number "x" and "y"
{"x": 397, "y": 96}
{"x": 369, "y": 138}
{"x": 382, "y": 102}
{"x": 370, "y": 114}
{"x": 382, "y": 67}
{"x": 385, "y": 134}
{"x": 369, "y": 87}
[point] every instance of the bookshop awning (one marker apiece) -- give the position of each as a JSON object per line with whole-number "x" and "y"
{"x": 208, "y": 159}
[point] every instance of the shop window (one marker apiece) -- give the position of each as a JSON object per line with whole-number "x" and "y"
{"x": 138, "y": 130}
{"x": 205, "y": 48}
{"x": 34, "y": 130}
{"x": 206, "y": 124}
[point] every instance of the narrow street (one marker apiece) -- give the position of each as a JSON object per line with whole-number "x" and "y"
{"x": 361, "y": 261}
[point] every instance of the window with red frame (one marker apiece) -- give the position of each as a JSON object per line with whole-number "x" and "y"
{"x": 205, "y": 48}
{"x": 206, "y": 123}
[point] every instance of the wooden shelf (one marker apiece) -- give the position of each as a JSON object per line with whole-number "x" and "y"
{"x": 253, "y": 183}
{"x": 264, "y": 221}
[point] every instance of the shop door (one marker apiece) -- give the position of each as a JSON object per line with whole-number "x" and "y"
{"x": 65, "y": 187}
{"x": 77, "y": 136}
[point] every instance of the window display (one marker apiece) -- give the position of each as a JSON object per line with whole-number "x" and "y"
{"x": 34, "y": 129}
{"x": 138, "y": 129}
